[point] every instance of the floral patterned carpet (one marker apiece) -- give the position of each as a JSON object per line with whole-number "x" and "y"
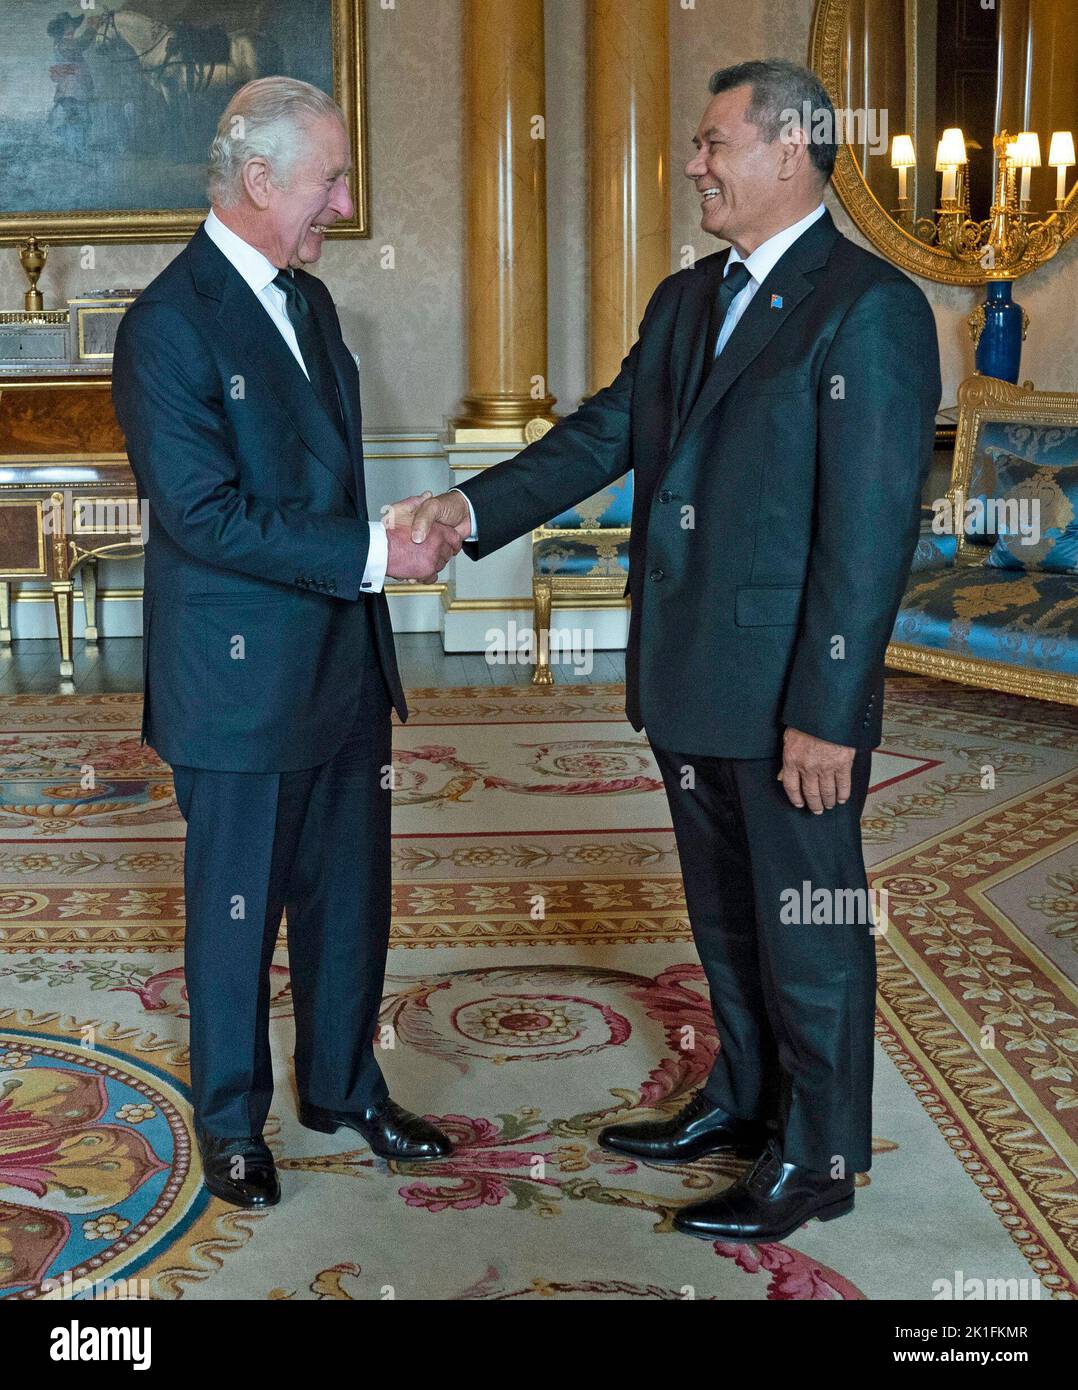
{"x": 541, "y": 983}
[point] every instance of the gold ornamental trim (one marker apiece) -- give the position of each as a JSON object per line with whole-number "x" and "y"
{"x": 901, "y": 247}
{"x": 595, "y": 599}
{"x": 987, "y": 675}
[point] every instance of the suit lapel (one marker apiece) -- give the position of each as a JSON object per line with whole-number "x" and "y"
{"x": 346, "y": 371}
{"x": 688, "y": 345}
{"x": 755, "y": 329}
{"x": 778, "y": 296}
{"x": 261, "y": 347}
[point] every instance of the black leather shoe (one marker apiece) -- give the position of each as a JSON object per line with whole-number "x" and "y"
{"x": 390, "y": 1130}
{"x": 769, "y": 1203}
{"x": 240, "y": 1171}
{"x": 697, "y": 1129}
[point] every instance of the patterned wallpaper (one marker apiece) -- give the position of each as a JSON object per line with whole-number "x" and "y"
{"x": 408, "y": 322}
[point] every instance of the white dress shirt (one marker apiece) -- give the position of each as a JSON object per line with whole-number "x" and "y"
{"x": 259, "y": 273}
{"x": 759, "y": 264}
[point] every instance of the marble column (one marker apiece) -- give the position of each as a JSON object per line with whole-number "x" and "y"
{"x": 505, "y": 186}
{"x": 628, "y": 154}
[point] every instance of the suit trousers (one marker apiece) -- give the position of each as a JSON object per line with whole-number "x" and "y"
{"x": 793, "y": 1000}
{"x": 315, "y": 842}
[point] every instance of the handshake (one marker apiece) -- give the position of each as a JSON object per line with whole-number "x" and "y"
{"x": 424, "y": 534}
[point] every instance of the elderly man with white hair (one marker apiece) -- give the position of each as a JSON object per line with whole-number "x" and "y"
{"x": 270, "y": 672}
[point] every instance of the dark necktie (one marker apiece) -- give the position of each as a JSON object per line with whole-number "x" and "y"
{"x": 312, "y": 345}
{"x": 735, "y": 280}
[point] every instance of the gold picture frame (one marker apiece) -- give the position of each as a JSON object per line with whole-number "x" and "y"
{"x": 347, "y": 32}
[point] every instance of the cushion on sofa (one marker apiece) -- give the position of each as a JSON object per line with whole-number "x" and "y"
{"x": 1037, "y": 525}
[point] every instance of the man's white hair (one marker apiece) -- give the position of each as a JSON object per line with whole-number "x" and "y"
{"x": 267, "y": 118}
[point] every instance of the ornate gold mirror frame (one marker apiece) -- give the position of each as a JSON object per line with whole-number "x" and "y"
{"x": 901, "y": 247}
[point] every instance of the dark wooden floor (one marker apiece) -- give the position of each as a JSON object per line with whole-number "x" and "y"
{"x": 114, "y": 665}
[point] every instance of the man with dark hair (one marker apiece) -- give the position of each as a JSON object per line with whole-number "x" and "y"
{"x": 778, "y": 409}
{"x": 782, "y": 95}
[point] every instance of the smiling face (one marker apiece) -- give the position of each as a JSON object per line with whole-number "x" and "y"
{"x": 747, "y": 186}
{"x": 316, "y": 195}
{"x": 288, "y": 221}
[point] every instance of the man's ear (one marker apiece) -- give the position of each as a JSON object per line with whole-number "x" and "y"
{"x": 795, "y": 152}
{"x": 256, "y": 181}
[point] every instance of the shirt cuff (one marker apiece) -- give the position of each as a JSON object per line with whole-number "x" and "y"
{"x": 473, "y": 535}
{"x": 374, "y": 573}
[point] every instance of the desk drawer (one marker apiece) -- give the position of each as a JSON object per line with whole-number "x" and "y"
{"x": 22, "y": 537}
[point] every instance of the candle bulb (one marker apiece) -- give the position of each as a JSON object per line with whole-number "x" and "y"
{"x": 950, "y": 154}
{"x": 1061, "y": 157}
{"x": 903, "y": 158}
{"x": 1027, "y": 156}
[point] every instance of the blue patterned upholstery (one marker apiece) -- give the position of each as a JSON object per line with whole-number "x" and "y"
{"x": 1020, "y": 618}
{"x": 584, "y": 559}
{"x": 1045, "y": 494}
{"x": 980, "y": 607}
{"x": 1003, "y": 443}
{"x": 611, "y": 507}
{"x": 933, "y": 552}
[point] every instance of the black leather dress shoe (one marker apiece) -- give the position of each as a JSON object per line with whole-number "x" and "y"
{"x": 240, "y": 1171}
{"x": 769, "y": 1203}
{"x": 390, "y": 1130}
{"x": 697, "y": 1129}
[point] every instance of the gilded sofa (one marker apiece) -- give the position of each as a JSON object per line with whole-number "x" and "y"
{"x": 993, "y": 594}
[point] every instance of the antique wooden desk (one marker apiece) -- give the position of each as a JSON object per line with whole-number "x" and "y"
{"x": 67, "y": 493}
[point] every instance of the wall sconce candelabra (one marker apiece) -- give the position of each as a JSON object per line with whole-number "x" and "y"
{"x": 1006, "y": 244}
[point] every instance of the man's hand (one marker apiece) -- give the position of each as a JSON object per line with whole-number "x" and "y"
{"x": 401, "y": 513}
{"x": 815, "y": 771}
{"x": 409, "y": 559}
{"x": 449, "y": 508}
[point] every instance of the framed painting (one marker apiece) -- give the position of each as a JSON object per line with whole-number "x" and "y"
{"x": 107, "y": 110}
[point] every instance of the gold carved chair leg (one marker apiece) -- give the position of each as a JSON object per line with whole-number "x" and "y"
{"x": 88, "y": 574}
{"x": 63, "y": 589}
{"x": 5, "y": 613}
{"x": 542, "y": 593}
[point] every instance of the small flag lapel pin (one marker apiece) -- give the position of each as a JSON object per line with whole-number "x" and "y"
{"x": 776, "y": 301}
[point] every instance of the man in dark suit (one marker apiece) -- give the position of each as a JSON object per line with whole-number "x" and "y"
{"x": 270, "y": 672}
{"x": 778, "y": 412}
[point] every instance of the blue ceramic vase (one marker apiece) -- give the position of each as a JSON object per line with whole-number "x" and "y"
{"x": 999, "y": 352}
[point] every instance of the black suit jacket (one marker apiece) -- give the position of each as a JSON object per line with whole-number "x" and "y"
{"x": 775, "y": 513}
{"x": 257, "y": 638}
